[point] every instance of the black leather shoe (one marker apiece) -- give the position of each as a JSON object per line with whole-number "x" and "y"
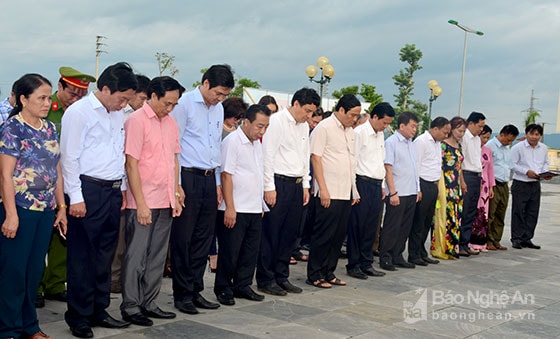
{"x": 111, "y": 322}
{"x": 200, "y": 302}
{"x": 430, "y": 261}
{"x": 516, "y": 245}
{"x": 529, "y": 244}
{"x": 82, "y": 331}
{"x": 62, "y": 296}
{"x": 405, "y": 264}
{"x": 289, "y": 287}
{"x": 357, "y": 273}
{"x": 388, "y": 266}
{"x": 158, "y": 313}
{"x": 248, "y": 293}
{"x": 137, "y": 319}
{"x": 372, "y": 272}
{"x": 418, "y": 262}
{"x": 273, "y": 289}
{"x": 39, "y": 301}
{"x": 186, "y": 307}
{"x": 225, "y": 299}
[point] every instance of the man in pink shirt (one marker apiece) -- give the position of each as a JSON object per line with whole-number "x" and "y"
{"x": 153, "y": 198}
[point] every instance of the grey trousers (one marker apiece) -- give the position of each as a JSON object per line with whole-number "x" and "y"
{"x": 144, "y": 260}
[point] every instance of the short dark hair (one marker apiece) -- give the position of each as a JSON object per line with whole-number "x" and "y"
{"x": 475, "y": 117}
{"x": 253, "y": 110}
{"x": 382, "y": 110}
{"x": 486, "y": 129}
{"x": 160, "y": 85}
{"x": 306, "y": 96}
{"x": 533, "y": 128}
{"x": 318, "y": 112}
{"x": 25, "y": 86}
{"x": 510, "y": 130}
{"x": 405, "y": 117}
{"x": 457, "y": 122}
{"x": 439, "y": 122}
{"x": 234, "y": 107}
{"x": 347, "y": 101}
{"x": 118, "y": 78}
{"x": 219, "y": 75}
{"x": 267, "y": 99}
{"x": 143, "y": 83}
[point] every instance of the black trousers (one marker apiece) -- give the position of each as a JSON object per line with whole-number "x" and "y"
{"x": 91, "y": 244}
{"x": 239, "y": 248}
{"x": 362, "y": 227}
{"x": 279, "y": 233}
{"x": 191, "y": 235}
{"x": 470, "y": 203}
{"x": 326, "y": 239}
{"x": 525, "y": 205}
{"x": 423, "y": 217}
{"x": 396, "y": 228}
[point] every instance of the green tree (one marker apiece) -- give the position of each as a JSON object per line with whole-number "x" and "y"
{"x": 240, "y": 84}
{"x": 404, "y": 81}
{"x": 366, "y": 91}
{"x": 166, "y": 63}
{"x": 531, "y": 118}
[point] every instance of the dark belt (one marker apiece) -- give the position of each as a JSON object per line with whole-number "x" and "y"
{"x": 430, "y": 182}
{"x": 101, "y": 182}
{"x": 297, "y": 180}
{"x": 478, "y": 174}
{"x": 499, "y": 183}
{"x": 374, "y": 181}
{"x": 198, "y": 171}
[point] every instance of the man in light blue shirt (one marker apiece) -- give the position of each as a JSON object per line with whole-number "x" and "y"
{"x": 6, "y": 106}
{"x": 403, "y": 189}
{"x": 200, "y": 117}
{"x": 530, "y": 160}
{"x": 501, "y": 156}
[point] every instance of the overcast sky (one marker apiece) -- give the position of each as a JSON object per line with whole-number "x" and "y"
{"x": 273, "y": 41}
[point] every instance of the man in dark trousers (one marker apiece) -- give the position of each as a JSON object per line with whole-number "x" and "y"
{"x": 428, "y": 160}
{"x": 92, "y": 148}
{"x": 200, "y": 116}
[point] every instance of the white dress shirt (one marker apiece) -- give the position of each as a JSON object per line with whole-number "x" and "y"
{"x": 370, "y": 152}
{"x": 243, "y": 159}
{"x": 472, "y": 153}
{"x": 525, "y": 158}
{"x": 91, "y": 143}
{"x": 428, "y": 157}
{"x": 286, "y": 149}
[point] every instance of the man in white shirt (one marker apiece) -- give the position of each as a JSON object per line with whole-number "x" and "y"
{"x": 92, "y": 159}
{"x": 241, "y": 211}
{"x": 472, "y": 173}
{"x": 286, "y": 185}
{"x": 370, "y": 174}
{"x": 530, "y": 159}
{"x": 428, "y": 160}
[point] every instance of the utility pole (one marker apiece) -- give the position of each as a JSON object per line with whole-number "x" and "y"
{"x": 98, "y": 51}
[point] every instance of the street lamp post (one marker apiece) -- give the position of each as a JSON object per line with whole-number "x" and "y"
{"x": 466, "y": 29}
{"x": 435, "y": 92}
{"x": 327, "y": 73}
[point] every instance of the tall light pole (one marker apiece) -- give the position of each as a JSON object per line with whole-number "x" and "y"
{"x": 466, "y": 29}
{"x": 98, "y": 51}
{"x": 435, "y": 92}
{"x": 327, "y": 73}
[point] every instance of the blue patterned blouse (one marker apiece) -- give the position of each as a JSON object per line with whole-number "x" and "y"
{"x": 37, "y": 153}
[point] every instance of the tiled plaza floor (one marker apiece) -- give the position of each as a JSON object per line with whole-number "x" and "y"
{"x": 500, "y": 294}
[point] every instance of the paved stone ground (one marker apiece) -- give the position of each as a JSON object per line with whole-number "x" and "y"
{"x": 499, "y": 294}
